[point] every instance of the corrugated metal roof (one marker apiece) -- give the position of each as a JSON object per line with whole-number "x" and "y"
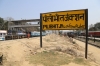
{"x": 25, "y": 20}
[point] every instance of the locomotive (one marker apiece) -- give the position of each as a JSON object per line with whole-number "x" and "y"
{"x": 72, "y": 34}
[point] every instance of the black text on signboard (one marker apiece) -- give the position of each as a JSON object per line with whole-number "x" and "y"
{"x": 62, "y": 20}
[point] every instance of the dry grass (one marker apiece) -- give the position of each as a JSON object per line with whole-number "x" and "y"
{"x": 52, "y": 58}
{"x": 81, "y": 61}
{"x": 49, "y": 59}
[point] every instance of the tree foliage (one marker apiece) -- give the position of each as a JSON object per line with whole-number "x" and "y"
{"x": 92, "y": 29}
{"x": 97, "y": 25}
{"x": 90, "y": 26}
{"x": 1, "y": 23}
{"x": 4, "y": 23}
{"x": 5, "y": 26}
{"x": 9, "y": 19}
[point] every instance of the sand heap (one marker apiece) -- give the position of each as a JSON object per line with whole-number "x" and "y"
{"x": 63, "y": 44}
{"x": 17, "y": 50}
{"x": 59, "y": 43}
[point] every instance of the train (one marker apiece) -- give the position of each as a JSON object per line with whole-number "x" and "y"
{"x": 32, "y": 33}
{"x": 71, "y": 34}
{"x": 91, "y": 33}
{"x": 3, "y": 33}
{"x": 36, "y": 34}
{"x": 9, "y": 35}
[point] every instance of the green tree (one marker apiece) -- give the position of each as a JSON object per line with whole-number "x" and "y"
{"x": 5, "y": 26}
{"x": 97, "y": 25}
{"x": 7, "y": 19}
{"x": 92, "y": 27}
{"x": 1, "y": 23}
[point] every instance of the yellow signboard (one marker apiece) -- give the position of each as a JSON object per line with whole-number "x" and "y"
{"x": 64, "y": 20}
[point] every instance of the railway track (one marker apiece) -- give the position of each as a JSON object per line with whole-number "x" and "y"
{"x": 90, "y": 41}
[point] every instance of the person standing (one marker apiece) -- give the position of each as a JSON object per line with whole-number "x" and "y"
{"x": 28, "y": 35}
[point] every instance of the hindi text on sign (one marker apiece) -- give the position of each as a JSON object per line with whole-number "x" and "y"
{"x": 67, "y": 17}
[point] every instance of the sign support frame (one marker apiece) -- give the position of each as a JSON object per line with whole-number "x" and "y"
{"x": 86, "y": 27}
{"x": 40, "y": 30}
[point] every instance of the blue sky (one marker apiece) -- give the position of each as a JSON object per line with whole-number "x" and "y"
{"x": 31, "y": 9}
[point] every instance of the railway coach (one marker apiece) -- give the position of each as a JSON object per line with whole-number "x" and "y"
{"x": 37, "y": 34}
{"x": 92, "y": 33}
{"x": 3, "y": 33}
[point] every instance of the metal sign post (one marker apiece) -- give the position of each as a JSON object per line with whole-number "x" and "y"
{"x": 40, "y": 30}
{"x": 86, "y": 23}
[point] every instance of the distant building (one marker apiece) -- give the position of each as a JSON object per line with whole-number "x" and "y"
{"x": 23, "y": 25}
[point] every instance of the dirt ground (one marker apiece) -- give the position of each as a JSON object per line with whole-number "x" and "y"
{"x": 94, "y": 50}
{"x": 16, "y": 51}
